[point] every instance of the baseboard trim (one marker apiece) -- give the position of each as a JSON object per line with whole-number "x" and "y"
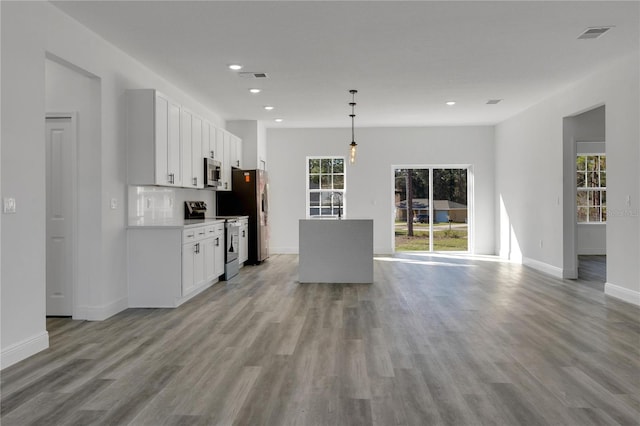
{"x": 543, "y": 267}
{"x": 622, "y": 293}
{"x": 23, "y": 350}
{"x": 101, "y": 313}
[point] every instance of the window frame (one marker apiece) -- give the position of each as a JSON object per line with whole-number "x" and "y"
{"x": 589, "y": 190}
{"x": 320, "y": 190}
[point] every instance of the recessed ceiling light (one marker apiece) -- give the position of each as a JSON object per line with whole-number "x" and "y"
{"x": 268, "y": 107}
{"x": 235, "y": 67}
{"x": 255, "y": 90}
{"x": 451, "y": 103}
{"x": 278, "y": 120}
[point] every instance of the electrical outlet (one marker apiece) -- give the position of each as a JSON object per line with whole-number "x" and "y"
{"x": 9, "y": 205}
{"x": 540, "y": 243}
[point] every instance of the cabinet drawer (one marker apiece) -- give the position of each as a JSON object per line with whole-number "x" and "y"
{"x": 210, "y": 231}
{"x": 189, "y": 235}
{"x": 200, "y": 233}
{"x": 193, "y": 234}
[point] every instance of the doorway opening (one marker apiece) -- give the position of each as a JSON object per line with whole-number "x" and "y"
{"x": 585, "y": 196}
{"x": 73, "y": 105}
{"x": 431, "y": 209}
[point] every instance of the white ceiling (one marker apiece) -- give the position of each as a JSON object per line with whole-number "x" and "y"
{"x": 406, "y": 59}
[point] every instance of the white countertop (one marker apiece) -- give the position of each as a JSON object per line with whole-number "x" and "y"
{"x": 170, "y": 223}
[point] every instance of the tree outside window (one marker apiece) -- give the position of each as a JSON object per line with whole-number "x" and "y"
{"x": 326, "y": 186}
{"x": 591, "y": 183}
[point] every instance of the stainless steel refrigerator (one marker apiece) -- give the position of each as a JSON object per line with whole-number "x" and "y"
{"x": 249, "y": 196}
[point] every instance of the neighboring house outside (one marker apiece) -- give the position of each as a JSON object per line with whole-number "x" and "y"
{"x": 444, "y": 210}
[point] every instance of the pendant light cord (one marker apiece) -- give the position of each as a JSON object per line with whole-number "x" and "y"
{"x": 353, "y": 114}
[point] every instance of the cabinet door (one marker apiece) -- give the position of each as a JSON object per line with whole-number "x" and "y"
{"x": 215, "y": 151}
{"x": 197, "y": 159}
{"x": 209, "y": 259}
{"x": 188, "y": 267}
{"x": 226, "y": 162}
{"x": 210, "y": 141}
{"x": 199, "y": 265}
{"x": 219, "y": 153}
{"x": 236, "y": 151}
{"x": 162, "y": 176}
{"x": 207, "y": 151}
{"x": 186, "y": 123}
{"x": 174, "y": 162}
{"x": 243, "y": 250}
{"x": 167, "y": 140}
{"x": 219, "y": 253}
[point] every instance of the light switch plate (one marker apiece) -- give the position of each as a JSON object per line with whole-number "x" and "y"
{"x": 114, "y": 203}
{"x": 9, "y": 205}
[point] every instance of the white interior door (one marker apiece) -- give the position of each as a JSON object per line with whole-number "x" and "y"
{"x": 60, "y": 152}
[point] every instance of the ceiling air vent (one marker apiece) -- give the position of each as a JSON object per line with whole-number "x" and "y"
{"x": 493, "y": 101}
{"x": 593, "y": 32}
{"x": 252, "y": 75}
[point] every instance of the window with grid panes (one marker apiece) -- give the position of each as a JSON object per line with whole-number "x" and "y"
{"x": 591, "y": 183}
{"x": 326, "y": 186}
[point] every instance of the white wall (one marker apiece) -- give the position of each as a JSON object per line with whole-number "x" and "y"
{"x": 592, "y": 238}
{"x": 529, "y": 173}
{"x": 369, "y": 182}
{"x": 23, "y": 164}
{"x": 30, "y": 32}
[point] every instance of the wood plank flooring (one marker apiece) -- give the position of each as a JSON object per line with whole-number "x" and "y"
{"x": 433, "y": 341}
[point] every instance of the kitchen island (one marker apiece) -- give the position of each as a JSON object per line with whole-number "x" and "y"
{"x": 336, "y": 251}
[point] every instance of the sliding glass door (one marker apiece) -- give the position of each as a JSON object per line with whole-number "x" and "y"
{"x": 431, "y": 209}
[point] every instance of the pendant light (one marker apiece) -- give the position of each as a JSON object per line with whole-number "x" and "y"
{"x": 353, "y": 144}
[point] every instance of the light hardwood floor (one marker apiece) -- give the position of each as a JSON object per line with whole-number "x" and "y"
{"x": 434, "y": 340}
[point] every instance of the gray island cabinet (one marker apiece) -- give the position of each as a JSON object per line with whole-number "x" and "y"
{"x": 336, "y": 251}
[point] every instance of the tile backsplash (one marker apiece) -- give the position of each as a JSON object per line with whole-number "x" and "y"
{"x": 162, "y": 203}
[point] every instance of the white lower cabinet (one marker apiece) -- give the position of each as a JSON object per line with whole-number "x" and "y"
{"x": 243, "y": 249}
{"x": 167, "y": 267}
{"x": 214, "y": 252}
{"x": 193, "y": 264}
{"x": 219, "y": 250}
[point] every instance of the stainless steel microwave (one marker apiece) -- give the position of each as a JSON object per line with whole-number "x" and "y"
{"x": 212, "y": 173}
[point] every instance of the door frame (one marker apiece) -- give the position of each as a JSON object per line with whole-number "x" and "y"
{"x": 73, "y": 116}
{"x": 470, "y": 202}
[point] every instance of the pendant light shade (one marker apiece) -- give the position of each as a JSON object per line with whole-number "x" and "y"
{"x": 353, "y": 144}
{"x": 352, "y": 152}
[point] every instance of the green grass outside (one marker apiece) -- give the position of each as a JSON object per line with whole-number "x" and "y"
{"x": 447, "y": 240}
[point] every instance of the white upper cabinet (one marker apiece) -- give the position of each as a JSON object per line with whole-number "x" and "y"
{"x": 230, "y": 148}
{"x": 153, "y": 133}
{"x": 186, "y": 123}
{"x": 197, "y": 156}
{"x": 167, "y": 143}
{"x": 236, "y": 151}
{"x": 192, "y": 158}
{"x": 209, "y": 142}
{"x": 223, "y": 146}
